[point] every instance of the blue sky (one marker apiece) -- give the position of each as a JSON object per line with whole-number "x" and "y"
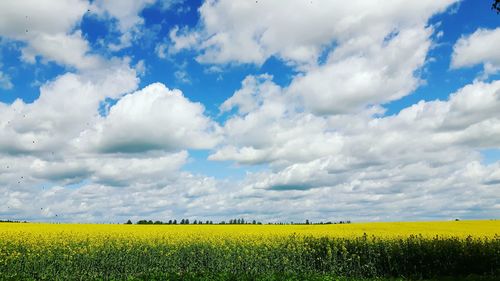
{"x": 212, "y": 109}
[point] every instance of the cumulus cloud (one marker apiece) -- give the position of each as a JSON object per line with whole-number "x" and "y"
{"x": 49, "y": 46}
{"x": 93, "y": 147}
{"x": 94, "y": 202}
{"x": 61, "y": 160}
{"x": 373, "y": 50}
{"x": 230, "y": 31}
{"x": 461, "y": 120}
{"x": 267, "y": 127}
{"x": 48, "y": 28}
{"x": 161, "y": 119}
{"x": 364, "y": 73}
{"x": 63, "y": 156}
{"x": 66, "y": 106}
{"x": 478, "y": 48}
{"x": 392, "y": 166}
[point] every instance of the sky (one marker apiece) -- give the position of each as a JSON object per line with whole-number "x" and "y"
{"x": 277, "y": 111}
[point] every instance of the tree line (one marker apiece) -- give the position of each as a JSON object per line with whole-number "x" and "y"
{"x": 233, "y": 221}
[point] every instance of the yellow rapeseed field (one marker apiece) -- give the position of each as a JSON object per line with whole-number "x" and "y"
{"x": 178, "y": 233}
{"x": 37, "y": 251}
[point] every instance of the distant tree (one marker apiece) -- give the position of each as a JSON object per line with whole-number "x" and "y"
{"x": 183, "y": 221}
{"x": 129, "y": 222}
{"x": 211, "y": 222}
{"x": 195, "y": 222}
{"x": 222, "y": 222}
{"x": 187, "y": 221}
{"x": 207, "y": 222}
{"x": 150, "y": 222}
{"x": 169, "y": 221}
{"x": 158, "y": 222}
{"x": 307, "y": 221}
{"x": 174, "y": 222}
{"x": 254, "y": 222}
{"x": 496, "y": 6}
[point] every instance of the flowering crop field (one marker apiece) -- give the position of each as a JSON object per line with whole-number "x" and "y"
{"x": 32, "y": 251}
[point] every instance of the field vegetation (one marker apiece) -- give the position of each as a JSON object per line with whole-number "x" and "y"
{"x": 402, "y": 251}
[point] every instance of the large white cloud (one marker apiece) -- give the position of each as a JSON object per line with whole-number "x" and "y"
{"x": 364, "y": 72}
{"x": 325, "y": 147}
{"x": 251, "y": 32}
{"x": 266, "y": 114}
{"x": 66, "y": 106}
{"x": 422, "y": 162}
{"x": 267, "y": 127}
{"x": 154, "y": 118}
{"x": 373, "y": 50}
{"x": 53, "y": 166}
{"x": 478, "y": 48}
{"x": 49, "y": 29}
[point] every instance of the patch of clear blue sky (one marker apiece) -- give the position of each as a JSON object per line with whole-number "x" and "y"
{"x": 490, "y": 156}
{"x": 199, "y": 164}
{"x": 212, "y": 88}
{"x": 25, "y": 77}
{"x": 439, "y": 80}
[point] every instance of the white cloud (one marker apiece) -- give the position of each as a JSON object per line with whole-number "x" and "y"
{"x": 5, "y": 82}
{"x": 48, "y": 28}
{"x": 21, "y": 20}
{"x": 251, "y": 32}
{"x": 478, "y": 48}
{"x": 66, "y": 106}
{"x": 161, "y": 119}
{"x": 127, "y": 14}
{"x": 125, "y": 11}
{"x": 182, "y": 76}
{"x": 185, "y": 40}
{"x": 140, "y": 68}
{"x": 364, "y": 72}
{"x": 423, "y": 162}
{"x": 95, "y": 202}
{"x": 326, "y": 149}
{"x": 76, "y": 52}
{"x": 268, "y": 128}
{"x": 374, "y": 50}
{"x": 50, "y": 170}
